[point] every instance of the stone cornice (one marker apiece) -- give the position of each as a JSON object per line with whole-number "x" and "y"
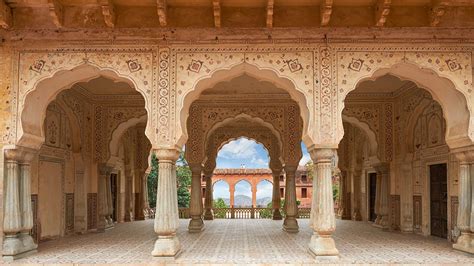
{"x": 164, "y": 36}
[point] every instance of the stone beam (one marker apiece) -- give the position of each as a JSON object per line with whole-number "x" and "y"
{"x": 216, "y": 6}
{"x": 270, "y": 4}
{"x": 5, "y": 15}
{"x": 438, "y": 8}
{"x": 108, "y": 11}
{"x": 162, "y": 12}
{"x": 56, "y": 12}
{"x": 381, "y": 12}
{"x": 326, "y": 10}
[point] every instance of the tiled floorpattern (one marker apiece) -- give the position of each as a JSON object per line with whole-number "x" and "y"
{"x": 248, "y": 241}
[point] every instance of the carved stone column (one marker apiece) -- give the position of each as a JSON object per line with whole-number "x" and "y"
{"x": 102, "y": 196}
{"x": 323, "y": 220}
{"x": 406, "y": 223}
{"x": 276, "y": 200}
{"x": 290, "y": 224}
{"x": 208, "y": 201}
{"x": 465, "y": 220}
{"x": 231, "y": 192}
{"x": 356, "y": 176}
{"x": 80, "y": 195}
{"x": 18, "y": 215}
{"x": 196, "y": 223}
{"x": 342, "y": 196}
{"x": 110, "y": 204}
{"x": 383, "y": 175}
{"x": 167, "y": 216}
{"x": 128, "y": 191}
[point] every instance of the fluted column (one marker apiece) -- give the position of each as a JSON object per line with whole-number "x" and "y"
{"x": 196, "y": 223}
{"x": 383, "y": 171}
{"x": 465, "y": 221}
{"x": 102, "y": 198}
{"x": 406, "y": 223}
{"x": 356, "y": 176}
{"x": 276, "y": 200}
{"x": 208, "y": 201}
{"x": 166, "y": 217}
{"x": 128, "y": 190}
{"x": 18, "y": 215}
{"x": 290, "y": 224}
{"x": 110, "y": 204}
{"x": 25, "y": 205}
{"x": 342, "y": 196}
{"x": 323, "y": 220}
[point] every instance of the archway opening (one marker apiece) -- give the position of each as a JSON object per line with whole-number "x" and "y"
{"x": 91, "y": 148}
{"x": 395, "y": 153}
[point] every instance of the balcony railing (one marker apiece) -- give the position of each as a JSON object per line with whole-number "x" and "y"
{"x": 244, "y": 213}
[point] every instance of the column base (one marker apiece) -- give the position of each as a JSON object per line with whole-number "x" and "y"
{"x": 356, "y": 216}
{"x": 15, "y": 247}
{"x": 276, "y": 215}
{"x": 290, "y": 225}
{"x": 209, "y": 214}
{"x": 465, "y": 243}
{"x": 166, "y": 246}
{"x": 196, "y": 225}
{"x": 323, "y": 246}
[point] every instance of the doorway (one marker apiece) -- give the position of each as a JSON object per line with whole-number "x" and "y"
{"x": 439, "y": 200}
{"x": 372, "y": 191}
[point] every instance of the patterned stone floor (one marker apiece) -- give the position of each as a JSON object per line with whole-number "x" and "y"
{"x": 247, "y": 241}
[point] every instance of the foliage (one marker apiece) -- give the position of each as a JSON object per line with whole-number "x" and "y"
{"x": 183, "y": 178}
{"x": 309, "y": 170}
{"x": 219, "y": 204}
{"x": 152, "y": 182}
{"x": 335, "y": 191}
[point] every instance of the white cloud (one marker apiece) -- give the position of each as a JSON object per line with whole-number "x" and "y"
{"x": 264, "y": 189}
{"x": 239, "y": 149}
{"x": 306, "y": 158}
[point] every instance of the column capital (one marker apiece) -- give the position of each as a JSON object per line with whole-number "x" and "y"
{"x": 465, "y": 155}
{"x": 383, "y": 167}
{"x": 321, "y": 155}
{"x": 104, "y": 169}
{"x": 19, "y": 154}
{"x": 167, "y": 154}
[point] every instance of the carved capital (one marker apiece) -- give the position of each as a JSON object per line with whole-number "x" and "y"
{"x": 322, "y": 155}
{"x": 383, "y": 167}
{"x": 20, "y": 154}
{"x": 465, "y": 155}
{"x": 167, "y": 154}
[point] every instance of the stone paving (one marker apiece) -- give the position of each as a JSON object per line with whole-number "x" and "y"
{"x": 247, "y": 241}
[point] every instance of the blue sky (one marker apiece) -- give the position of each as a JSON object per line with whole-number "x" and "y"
{"x": 245, "y": 152}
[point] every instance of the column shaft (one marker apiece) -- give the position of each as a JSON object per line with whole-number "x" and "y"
{"x": 276, "y": 200}
{"x": 322, "y": 211}
{"x": 196, "y": 223}
{"x": 290, "y": 224}
{"x": 465, "y": 241}
{"x": 208, "y": 213}
{"x": 167, "y": 217}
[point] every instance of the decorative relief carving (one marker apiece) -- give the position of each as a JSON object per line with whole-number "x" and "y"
{"x": 395, "y": 212}
{"x": 69, "y": 213}
{"x": 417, "y": 213}
{"x": 164, "y": 97}
{"x": 91, "y": 211}
{"x": 34, "y": 207}
{"x": 454, "y": 214}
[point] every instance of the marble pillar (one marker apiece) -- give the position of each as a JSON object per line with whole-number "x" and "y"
{"x": 208, "y": 201}
{"x": 196, "y": 223}
{"x": 276, "y": 200}
{"x": 167, "y": 216}
{"x": 406, "y": 198}
{"x": 465, "y": 220}
{"x": 110, "y": 204}
{"x": 80, "y": 195}
{"x": 290, "y": 224}
{"x": 102, "y": 197}
{"x": 356, "y": 177}
{"x": 341, "y": 212}
{"x": 128, "y": 200}
{"x": 323, "y": 220}
{"x": 383, "y": 170}
{"x": 18, "y": 215}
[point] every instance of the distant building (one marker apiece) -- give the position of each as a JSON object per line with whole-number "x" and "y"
{"x": 232, "y": 176}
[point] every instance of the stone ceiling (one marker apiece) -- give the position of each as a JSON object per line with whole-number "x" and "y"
{"x": 63, "y": 14}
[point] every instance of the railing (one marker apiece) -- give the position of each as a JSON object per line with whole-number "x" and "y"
{"x": 244, "y": 213}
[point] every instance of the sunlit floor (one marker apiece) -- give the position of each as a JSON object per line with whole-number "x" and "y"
{"x": 247, "y": 241}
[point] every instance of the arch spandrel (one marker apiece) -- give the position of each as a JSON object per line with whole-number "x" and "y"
{"x": 446, "y": 75}
{"x": 199, "y": 68}
{"x": 42, "y": 75}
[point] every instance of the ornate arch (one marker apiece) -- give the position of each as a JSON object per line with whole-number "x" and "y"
{"x": 197, "y": 71}
{"x": 117, "y": 134}
{"x": 364, "y": 127}
{"x": 44, "y": 75}
{"x": 446, "y": 75}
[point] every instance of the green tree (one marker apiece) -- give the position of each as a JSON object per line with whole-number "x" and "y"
{"x": 152, "y": 182}
{"x": 183, "y": 178}
{"x": 219, "y": 204}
